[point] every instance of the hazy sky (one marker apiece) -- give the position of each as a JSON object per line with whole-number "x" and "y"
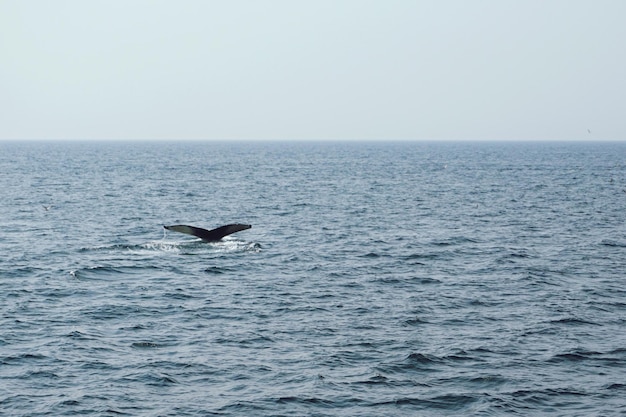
{"x": 319, "y": 69}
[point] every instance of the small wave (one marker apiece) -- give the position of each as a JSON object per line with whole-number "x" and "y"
{"x": 102, "y": 272}
{"x": 419, "y": 358}
{"x": 460, "y": 356}
{"x": 215, "y": 270}
{"x": 448, "y": 402}
{"x": 40, "y": 375}
{"x": 160, "y": 380}
{"x": 304, "y": 400}
{"x": 371, "y": 255}
{"x": 455, "y": 240}
{"x": 426, "y": 280}
{"x": 26, "y": 271}
{"x": 427, "y": 362}
{"x": 613, "y": 243}
{"x": 573, "y": 321}
{"x": 419, "y": 256}
{"x": 69, "y": 403}
{"x": 541, "y": 396}
{"x": 511, "y": 257}
{"x": 570, "y": 357}
{"x": 153, "y": 379}
{"x": 145, "y": 345}
{"x": 78, "y": 335}
{"x": 375, "y": 380}
{"x": 24, "y": 357}
{"x": 584, "y": 355}
{"x": 416, "y": 321}
{"x": 488, "y": 381}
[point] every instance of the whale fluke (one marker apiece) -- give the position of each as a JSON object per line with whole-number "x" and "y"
{"x": 209, "y": 235}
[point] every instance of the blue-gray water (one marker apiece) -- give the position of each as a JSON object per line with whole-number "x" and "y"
{"x": 378, "y": 279}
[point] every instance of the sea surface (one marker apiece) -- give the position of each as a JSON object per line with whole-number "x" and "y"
{"x": 378, "y": 279}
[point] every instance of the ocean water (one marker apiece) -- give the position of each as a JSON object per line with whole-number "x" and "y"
{"x": 378, "y": 279}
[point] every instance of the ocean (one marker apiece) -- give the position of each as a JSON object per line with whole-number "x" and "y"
{"x": 378, "y": 279}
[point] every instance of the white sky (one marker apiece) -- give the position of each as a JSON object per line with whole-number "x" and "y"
{"x": 318, "y": 69}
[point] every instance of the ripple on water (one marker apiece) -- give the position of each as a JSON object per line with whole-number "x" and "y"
{"x": 374, "y": 281}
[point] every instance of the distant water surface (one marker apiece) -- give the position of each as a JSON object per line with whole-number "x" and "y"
{"x": 378, "y": 279}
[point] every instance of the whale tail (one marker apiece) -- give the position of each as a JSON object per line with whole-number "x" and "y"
{"x": 209, "y": 235}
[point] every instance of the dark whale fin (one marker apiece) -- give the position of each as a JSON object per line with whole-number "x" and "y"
{"x": 209, "y": 235}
